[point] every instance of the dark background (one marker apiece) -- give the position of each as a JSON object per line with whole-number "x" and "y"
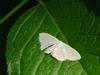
{"x": 8, "y": 5}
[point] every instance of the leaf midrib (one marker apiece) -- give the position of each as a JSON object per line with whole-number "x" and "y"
{"x": 41, "y": 3}
{"x": 56, "y": 73}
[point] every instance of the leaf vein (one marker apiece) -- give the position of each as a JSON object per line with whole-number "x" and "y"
{"x": 38, "y": 64}
{"x": 21, "y": 53}
{"x": 20, "y": 26}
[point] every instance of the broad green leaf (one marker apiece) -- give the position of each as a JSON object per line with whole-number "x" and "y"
{"x": 69, "y": 21}
{"x": 82, "y": 30}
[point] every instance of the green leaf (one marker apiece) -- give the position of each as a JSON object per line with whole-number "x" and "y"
{"x": 69, "y": 21}
{"x": 82, "y": 30}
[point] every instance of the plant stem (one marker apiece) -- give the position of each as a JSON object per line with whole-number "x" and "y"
{"x": 13, "y": 11}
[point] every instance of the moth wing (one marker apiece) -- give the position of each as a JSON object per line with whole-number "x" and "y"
{"x": 70, "y": 53}
{"x": 46, "y": 40}
{"x": 59, "y": 53}
{"x": 64, "y": 52}
{"x": 50, "y": 49}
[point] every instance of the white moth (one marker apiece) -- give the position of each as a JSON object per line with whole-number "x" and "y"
{"x": 57, "y": 48}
